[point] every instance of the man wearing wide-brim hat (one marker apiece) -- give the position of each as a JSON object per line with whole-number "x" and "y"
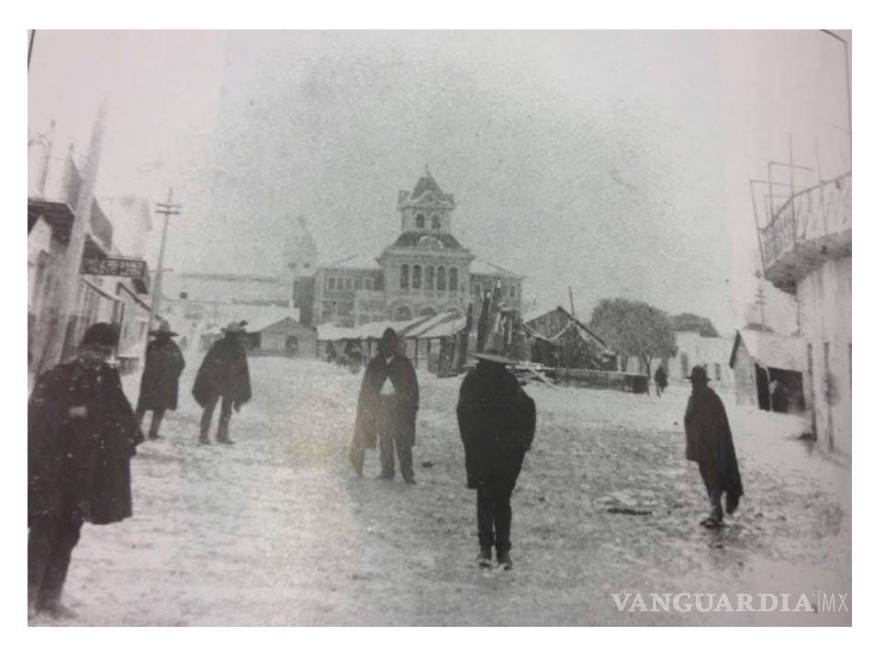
{"x": 223, "y": 374}
{"x": 159, "y": 386}
{"x": 709, "y": 443}
{"x": 496, "y": 419}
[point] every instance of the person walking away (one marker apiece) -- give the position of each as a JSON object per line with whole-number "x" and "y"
{"x": 661, "y": 380}
{"x": 82, "y": 433}
{"x": 159, "y": 386}
{"x": 387, "y": 405}
{"x": 223, "y": 375}
{"x": 709, "y": 443}
{"x": 497, "y": 420}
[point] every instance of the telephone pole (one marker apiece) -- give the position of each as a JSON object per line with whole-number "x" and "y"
{"x": 167, "y": 209}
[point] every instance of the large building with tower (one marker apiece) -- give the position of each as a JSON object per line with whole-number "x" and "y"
{"x": 425, "y": 271}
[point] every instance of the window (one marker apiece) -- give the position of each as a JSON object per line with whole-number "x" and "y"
{"x": 331, "y": 283}
{"x": 717, "y": 372}
{"x": 453, "y": 279}
{"x": 368, "y": 283}
{"x": 349, "y": 283}
{"x": 378, "y": 283}
{"x": 183, "y": 295}
{"x": 405, "y": 277}
{"x": 512, "y": 290}
{"x": 358, "y": 283}
{"x": 417, "y": 277}
{"x": 435, "y": 222}
{"x": 420, "y": 221}
{"x": 441, "y": 278}
{"x": 429, "y": 278}
{"x": 684, "y": 364}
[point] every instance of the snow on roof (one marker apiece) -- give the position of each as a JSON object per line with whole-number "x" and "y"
{"x": 268, "y": 319}
{"x": 445, "y": 329}
{"x": 371, "y": 330}
{"x": 357, "y": 262}
{"x": 480, "y": 266}
{"x": 771, "y": 349}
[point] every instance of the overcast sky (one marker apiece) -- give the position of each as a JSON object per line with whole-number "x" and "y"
{"x": 616, "y": 163}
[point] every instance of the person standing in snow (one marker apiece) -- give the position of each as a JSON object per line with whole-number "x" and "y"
{"x": 497, "y": 420}
{"x": 223, "y": 374}
{"x": 709, "y": 443}
{"x": 82, "y": 433}
{"x": 661, "y": 380}
{"x": 387, "y": 405}
{"x": 159, "y": 387}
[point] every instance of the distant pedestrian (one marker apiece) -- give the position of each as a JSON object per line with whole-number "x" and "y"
{"x": 82, "y": 433}
{"x": 496, "y": 419}
{"x": 661, "y": 380}
{"x": 159, "y": 386}
{"x": 223, "y": 374}
{"x": 387, "y": 405}
{"x": 709, "y": 442}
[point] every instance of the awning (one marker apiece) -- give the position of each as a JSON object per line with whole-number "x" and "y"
{"x": 58, "y": 215}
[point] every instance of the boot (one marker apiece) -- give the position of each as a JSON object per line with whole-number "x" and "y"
{"x": 504, "y": 561}
{"x": 484, "y": 559}
{"x": 225, "y": 440}
{"x": 204, "y": 439}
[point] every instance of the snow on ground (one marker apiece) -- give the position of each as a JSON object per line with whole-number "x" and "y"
{"x": 276, "y": 530}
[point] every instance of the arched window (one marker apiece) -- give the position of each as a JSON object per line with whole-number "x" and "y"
{"x": 429, "y": 278}
{"x": 435, "y": 222}
{"x": 405, "y": 277}
{"x": 453, "y": 279}
{"x": 441, "y": 278}
{"x": 427, "y": 312}
{"x": 417, "y": 277}
{"x": 403, "y": 313}
{"x": 420, "y": 221}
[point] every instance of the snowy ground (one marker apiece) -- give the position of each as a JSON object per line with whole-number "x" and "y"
{"x": 277, "y": 531}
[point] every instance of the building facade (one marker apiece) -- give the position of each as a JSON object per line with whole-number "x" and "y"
{"x": 424, "y": 272}
{"x": 806, "y": 250}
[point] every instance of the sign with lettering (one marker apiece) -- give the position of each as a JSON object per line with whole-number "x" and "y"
{"x": 115, "y": 267}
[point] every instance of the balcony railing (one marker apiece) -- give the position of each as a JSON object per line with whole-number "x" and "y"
{"x": 811, "y": 226}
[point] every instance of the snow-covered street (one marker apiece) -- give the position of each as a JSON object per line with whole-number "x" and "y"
{"x": 276, "y": 530}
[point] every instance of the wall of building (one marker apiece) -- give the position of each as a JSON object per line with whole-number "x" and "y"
{"x": 825, "y": 319}
{"x": 744, "y": 371}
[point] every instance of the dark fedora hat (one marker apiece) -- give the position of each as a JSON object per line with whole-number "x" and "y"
{"x": 101, "y": 334}
{"x": 163, "y": 329}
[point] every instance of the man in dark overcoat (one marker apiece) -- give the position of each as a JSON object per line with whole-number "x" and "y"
{"x": 709, "y": 442}
{"x": 82, "y": 433}
{"x": 223, "y": 374}
{"x": 387, "y": 405}
{"x": 496, "y": 419}
{"x": 661, "y": 380}
{"x": 159, "y": 386}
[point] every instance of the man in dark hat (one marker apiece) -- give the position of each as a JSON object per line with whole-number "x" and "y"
{"x": 223, "y": 374}
{"x": 496, "y": 419}
{"x": 387, "y": 407}
{"x": 82, "y": 433}
{"x": 159, "y": 386}
{"x": 709, "y": 442}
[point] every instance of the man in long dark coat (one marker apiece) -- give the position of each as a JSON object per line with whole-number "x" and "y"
{"x": 159, "y": 386}
{"x": 661, "y": 380}
{"x": 81, "y": 435}
{"x": 224, "y": 374}
{"x": 709, "y": 442}
{"x": 496, "y": 419}
{"x": 387, "y": 407}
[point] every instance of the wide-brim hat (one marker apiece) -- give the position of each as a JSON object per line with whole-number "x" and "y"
{"x": 163, "y": 329}
{"x": 235, "y": 327}
{"x": 493, "y": 357}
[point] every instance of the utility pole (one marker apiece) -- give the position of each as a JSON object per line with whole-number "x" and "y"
{"x": 167, "y": 209}
{"x": 570, "y": 292}
{"x": 849, "y": 90}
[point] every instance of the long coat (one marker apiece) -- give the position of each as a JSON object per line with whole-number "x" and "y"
{"x": 709, "y": 442}
{"x": 223, "y": 372}
{"x": 395, "y": 414}
{"x": 497, "y": 420}
{"x": 159, "y": 387}
{"x": 79, "y": 468}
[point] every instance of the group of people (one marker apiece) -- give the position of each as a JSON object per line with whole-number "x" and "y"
{"x": 82, "y": 433}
